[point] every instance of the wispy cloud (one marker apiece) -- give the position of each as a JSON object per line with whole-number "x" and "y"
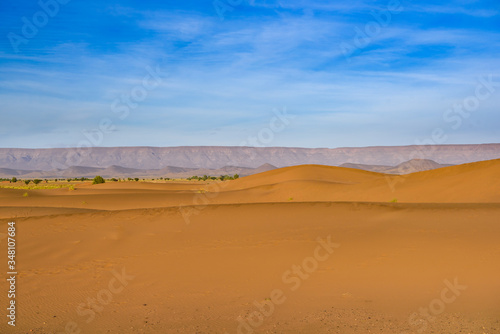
{"x": 454, "y": 8}
{"x": 223, "y": 78}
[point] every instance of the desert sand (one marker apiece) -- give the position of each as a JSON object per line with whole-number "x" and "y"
{"x": 305, "y": 249}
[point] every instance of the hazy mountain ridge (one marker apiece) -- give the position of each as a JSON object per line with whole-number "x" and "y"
{"x": 215, "y": 157}
{"x": 407, "y": 167}
{"x": 411, "y": 166}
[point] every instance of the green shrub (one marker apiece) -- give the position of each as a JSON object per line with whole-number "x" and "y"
{"x": 226, "y": 177}
{"x": 37, "y": 181}
{"x": 98, "y": 179}
{"x": 13, "y": 180}
{"x": 136, "y": 179}
{"x": 27, "y": 181}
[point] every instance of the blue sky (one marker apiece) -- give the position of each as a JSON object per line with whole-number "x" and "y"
{"x": 356, "y": 73}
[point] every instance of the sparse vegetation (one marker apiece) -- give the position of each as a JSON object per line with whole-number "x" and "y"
{"x": 206, "y": 177}
{"x": 25, "y": 195}
{"x": 394, "y": 200}
{"x": 32, "y": 186}
{"x": 98, "y": 179}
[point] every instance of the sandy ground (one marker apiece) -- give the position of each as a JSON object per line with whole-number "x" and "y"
{"x": 307, "y": 249}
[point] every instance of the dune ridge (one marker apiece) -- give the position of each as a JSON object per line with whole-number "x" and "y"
{"x": 200, "y": 257}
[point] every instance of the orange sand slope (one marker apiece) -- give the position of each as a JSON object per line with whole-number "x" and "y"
{"x": 306, "y": 249}
{"x": 469, "y": 183}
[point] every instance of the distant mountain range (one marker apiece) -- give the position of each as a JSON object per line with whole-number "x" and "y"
{"x": 407, "y": 167}
{"x": 215, "y": 160}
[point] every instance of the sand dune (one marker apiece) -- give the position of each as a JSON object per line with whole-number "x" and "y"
{"x": 222, "y": 257}
{"x": 469, "y": 183}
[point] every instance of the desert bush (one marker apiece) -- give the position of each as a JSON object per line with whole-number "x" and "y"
{"x": 37, "y": 181}
{"x": 13, "y": 180}
{"x": 27, "y": 182}
{"x": 98, "y": 179}
{"x": 136, "y": 179}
